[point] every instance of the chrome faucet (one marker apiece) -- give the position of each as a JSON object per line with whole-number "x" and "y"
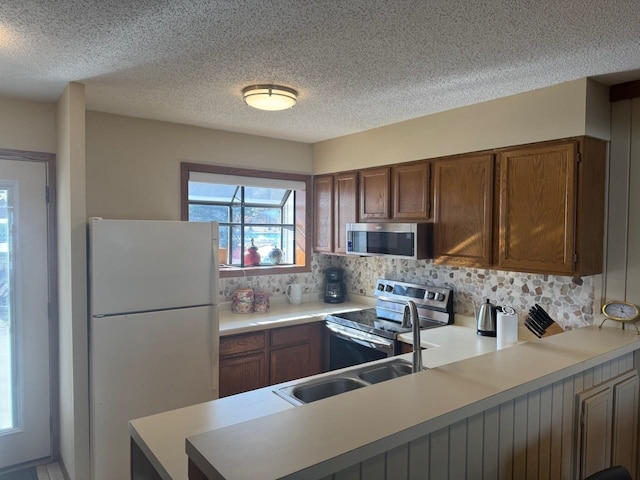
{"x": 411, "y": 311}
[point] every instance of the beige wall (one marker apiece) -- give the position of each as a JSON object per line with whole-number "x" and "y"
{"x": 554, "y": 112}
{"x": 133, "y": 165}
{"x": 598, "y": 111}
{"x": 72, "y": 283}
{"x": 27, "y": 126}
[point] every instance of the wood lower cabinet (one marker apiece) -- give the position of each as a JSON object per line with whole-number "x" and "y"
{"x": 463, "y": 210}
{"x": 242, "y": 374}
{"x": 375, "y": 194}
{"x": 412, "y": 193}
{"x": 257, "y": 359}
{"x": 242, "y": 363}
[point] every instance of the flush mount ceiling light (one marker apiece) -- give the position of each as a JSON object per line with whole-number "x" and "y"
{"x": 269, "y": 97}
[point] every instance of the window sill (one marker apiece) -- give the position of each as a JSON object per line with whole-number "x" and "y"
{"x": 230, "y": 272}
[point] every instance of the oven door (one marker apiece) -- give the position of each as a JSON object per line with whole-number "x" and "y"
{"x": 349, "y": 347}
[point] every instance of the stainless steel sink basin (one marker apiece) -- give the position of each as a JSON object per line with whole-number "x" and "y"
{"x": 384, "y": 372}
{"x": 358, "y": 377}
{"x": 327, "y": 388}
{"x": 318, "y": 389}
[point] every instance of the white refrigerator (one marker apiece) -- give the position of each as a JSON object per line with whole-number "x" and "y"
{"x": 153, "y": 328}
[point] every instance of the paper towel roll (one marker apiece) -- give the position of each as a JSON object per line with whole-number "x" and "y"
{"x": 507, "y": 327}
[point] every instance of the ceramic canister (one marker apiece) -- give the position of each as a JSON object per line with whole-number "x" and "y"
{"x": 242, "y": 301}
{"x": 261, "y": 302}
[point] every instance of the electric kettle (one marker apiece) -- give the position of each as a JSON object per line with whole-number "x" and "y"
{"x": 486, "y": 318}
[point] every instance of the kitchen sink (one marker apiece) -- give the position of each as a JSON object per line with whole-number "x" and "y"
{"x": 384, "y": 372}
{"x": 328, "y": 388}
{"x": 358, "y": 377}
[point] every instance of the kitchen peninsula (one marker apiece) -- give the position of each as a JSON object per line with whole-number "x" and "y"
{"x": 516, "y": 400}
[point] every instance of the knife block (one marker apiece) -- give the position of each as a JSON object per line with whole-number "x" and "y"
{"x": 552, "y": 330}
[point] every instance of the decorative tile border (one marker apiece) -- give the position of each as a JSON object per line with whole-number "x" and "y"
{"x": 570, "y": 301}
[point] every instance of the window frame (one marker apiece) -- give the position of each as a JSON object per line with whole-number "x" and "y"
{"x": 303, "y": 220}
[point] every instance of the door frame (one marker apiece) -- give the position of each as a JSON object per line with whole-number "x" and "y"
{"x": 49, "y": 159}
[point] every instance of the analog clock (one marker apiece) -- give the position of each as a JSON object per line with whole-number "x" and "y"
{"x": 620, "y": 312}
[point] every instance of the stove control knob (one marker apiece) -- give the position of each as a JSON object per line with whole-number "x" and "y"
{"x": 389, "y": 288}
{"x": 440, "y": 297}
{"x": 381, "y": 287}
{"x": 430, "y": 295}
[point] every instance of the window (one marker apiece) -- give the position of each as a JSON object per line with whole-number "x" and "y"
{"x": 254, "y": 208}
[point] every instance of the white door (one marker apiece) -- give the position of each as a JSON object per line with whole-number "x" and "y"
{"x": 24, "y": 323}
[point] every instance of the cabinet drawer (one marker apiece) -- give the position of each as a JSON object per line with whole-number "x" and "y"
{"x": 244, "y": 343}
{"x": 281, "y": 337}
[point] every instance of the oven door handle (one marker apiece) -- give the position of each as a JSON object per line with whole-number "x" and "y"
{"x": 359, "y": 337}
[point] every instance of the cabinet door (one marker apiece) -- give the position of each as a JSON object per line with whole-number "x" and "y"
{"x": 374, "y": 194}
{"x": 296, "y": 352}
{"x": 594, "y": 431}
{"x": 537, "y": 208}
{"x": 241, "y": 374}
{"x": 463, "y": 192}
{"x": 625, "y": 423}
{"x": 345, "y": 208}
{"x": 412, "y": 192}
{"x": 289, "y": 363}
{"x": 323, "y": 214}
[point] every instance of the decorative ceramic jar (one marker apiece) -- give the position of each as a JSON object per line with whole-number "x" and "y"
{"x": 272, "y": 255}
{"x": 261, "y": 302}
{"x": 242, "y": 301}
{"x": 252, "y": 257}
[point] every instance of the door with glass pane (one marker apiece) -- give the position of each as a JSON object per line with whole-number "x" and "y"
{"x": 24, "y": 324}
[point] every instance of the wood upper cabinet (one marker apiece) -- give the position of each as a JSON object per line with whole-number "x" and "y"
{"x": 375, "y": 194}
{"x": 335, "y": 205}
{"x": 537, "y": 208}
{"x": 412, "y": 191}
{"x": 532, "y": 208}
{"x": 463, "y": 192}
{"x": 323, "y": 214}
{"x": 551, "y": 207}
{"x": 345, "y": 208}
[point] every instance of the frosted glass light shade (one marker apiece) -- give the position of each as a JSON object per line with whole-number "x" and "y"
{"x": 269, "y": 97}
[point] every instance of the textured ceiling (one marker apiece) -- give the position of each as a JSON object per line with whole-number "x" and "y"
{"x": 358, "y": 64}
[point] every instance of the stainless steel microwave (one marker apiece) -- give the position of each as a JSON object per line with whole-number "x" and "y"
{"x": 413, "y": 241}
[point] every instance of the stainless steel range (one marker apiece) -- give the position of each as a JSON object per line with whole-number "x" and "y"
{"x": 371, "y": 334}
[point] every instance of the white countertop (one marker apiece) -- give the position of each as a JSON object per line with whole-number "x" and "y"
{"x": 278, "y": 444}
{"x": 162, "y": 436}
{"x": 282, "y": 314}
{"x": 450, "y": 344}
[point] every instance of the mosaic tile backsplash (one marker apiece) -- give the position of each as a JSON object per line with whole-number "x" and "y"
{"x": 570, "y": 301}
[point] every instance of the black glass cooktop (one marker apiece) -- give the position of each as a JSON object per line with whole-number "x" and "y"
{"x": 368, "y": 321}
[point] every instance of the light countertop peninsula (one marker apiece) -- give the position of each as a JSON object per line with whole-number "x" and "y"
{"x": 317, "y": 439}
{"x": 162, "y": 437}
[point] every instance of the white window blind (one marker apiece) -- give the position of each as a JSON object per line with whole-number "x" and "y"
{"x": 202, "y": 177}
